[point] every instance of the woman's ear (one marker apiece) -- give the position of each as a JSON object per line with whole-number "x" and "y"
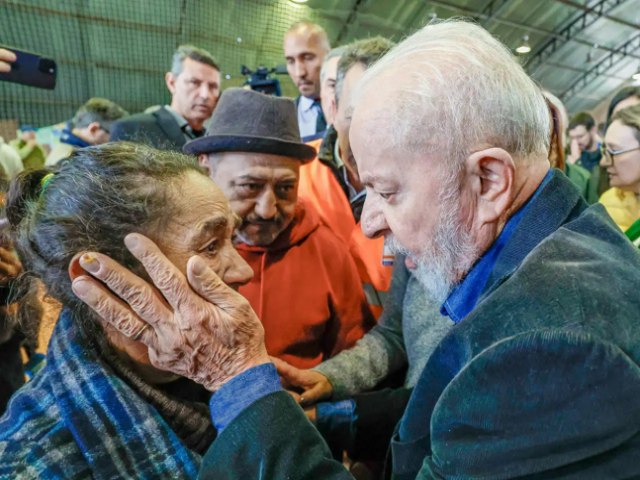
{"x": 75, "y": 270}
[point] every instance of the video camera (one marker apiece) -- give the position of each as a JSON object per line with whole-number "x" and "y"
{"x": 261, "y": 80}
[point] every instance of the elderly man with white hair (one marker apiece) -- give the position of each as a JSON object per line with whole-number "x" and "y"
{"x": 538, "y": 376}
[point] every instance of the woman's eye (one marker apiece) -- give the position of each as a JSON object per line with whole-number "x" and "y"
{"x": 212, "y": 247}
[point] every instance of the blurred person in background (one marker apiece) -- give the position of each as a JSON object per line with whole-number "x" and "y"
{"x": 625, "y": 97}
{"x": 332, "y": 184}
{"x": 10, "y": 163}
{"x": 32, "y": 154}
{"x": 194, "y": 82}
{"x": 584, "y": 146}
{"x": 91, "y": 125}
{"x": 328, "y": 73}
{"x": 557, "y": 148}
{"x": 305, "y": 46}
{"x": 621, "y": 158}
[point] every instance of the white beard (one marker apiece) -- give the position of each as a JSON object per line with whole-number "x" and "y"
{"x": 449, "y": 253}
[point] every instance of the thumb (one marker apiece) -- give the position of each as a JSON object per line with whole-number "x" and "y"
{"x": 313, "y": 395}
{"x": 290, "y": 374}
{"x": 211, "y": 287}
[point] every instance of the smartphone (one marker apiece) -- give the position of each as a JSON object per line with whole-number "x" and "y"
{"x": 31, "y": 69}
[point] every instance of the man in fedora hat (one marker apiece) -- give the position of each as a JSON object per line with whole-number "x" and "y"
{"x": 306, "y": 288}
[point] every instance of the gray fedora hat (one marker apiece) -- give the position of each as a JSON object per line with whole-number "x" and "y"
{"x": 248, "y": 121}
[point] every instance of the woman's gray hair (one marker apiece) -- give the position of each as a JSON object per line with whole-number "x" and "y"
{"x": 460, "y": 89}
{"x": 90, "y": 202}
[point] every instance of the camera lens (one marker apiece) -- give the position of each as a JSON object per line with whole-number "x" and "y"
{"x": 47, "y": 66}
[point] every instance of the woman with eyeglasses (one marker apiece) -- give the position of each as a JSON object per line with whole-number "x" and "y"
{"x": 621, "y": 158}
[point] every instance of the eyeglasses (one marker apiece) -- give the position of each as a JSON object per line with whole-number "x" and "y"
{"x": 608, "y": 154}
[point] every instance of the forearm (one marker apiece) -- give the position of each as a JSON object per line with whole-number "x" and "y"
{"x": 376, "y": 355}
{"x": 272, "y": 438}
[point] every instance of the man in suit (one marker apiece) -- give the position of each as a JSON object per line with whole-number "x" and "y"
{"x": 539, "y": 374}
{"x": 194, "y": 83}
{"x": 305, "y": 46}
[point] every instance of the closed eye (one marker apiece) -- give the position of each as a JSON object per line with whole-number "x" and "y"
{"x": 211, "y": 247}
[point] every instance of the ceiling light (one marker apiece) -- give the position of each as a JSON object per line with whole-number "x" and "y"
{"x": 298, "y": 1}
{"x": 524, "y": 47}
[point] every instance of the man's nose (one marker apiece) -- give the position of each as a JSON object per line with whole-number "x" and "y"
{"x": 236, "y": 272}
{"x": 204, "y": 91}
{"x": 301, "y": 70}
{"x": 266, "y": 204}
{"x": 372, "y": 220}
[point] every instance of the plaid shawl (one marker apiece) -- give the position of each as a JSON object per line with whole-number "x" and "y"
{"x": 78, "y": 419}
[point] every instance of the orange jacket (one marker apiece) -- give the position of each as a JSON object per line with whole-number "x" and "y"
{"x": 319, "y": 186}
{"x": 306, "y": 291}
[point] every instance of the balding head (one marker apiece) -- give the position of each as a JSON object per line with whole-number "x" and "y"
{"x": 305, "y": 45}
{"x": 450, "y": 137}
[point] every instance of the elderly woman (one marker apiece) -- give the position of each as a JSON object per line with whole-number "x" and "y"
{"x": 621, "y": 158}
{"x": 99, "y": 408}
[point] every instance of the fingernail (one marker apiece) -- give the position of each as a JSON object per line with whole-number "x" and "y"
{"x": 131, "y": 241}
{"x": 89, "y": 263}
{"x": 80, "y": 287}
{"x": 197, "y": 266}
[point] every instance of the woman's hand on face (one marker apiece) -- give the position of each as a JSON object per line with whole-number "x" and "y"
{"x": 196, "y": 327}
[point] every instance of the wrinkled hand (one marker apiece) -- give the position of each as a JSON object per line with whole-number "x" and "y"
{"x": 10, "y": 266}
{"x": 6, "y": 58}
{"x": 315, "y": 385}
{"x": 200, "y": 328}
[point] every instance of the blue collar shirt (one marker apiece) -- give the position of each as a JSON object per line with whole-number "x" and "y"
{"x": 464, "y": 297}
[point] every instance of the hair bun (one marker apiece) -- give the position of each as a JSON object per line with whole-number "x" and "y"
{"x": 24, "y": 189}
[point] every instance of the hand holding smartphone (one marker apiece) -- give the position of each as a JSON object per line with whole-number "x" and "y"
{"x": 27, "y": 68}
{"x": 6, "y": 58}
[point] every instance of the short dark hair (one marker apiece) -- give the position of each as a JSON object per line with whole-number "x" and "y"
{"x": 367, "y": 52}
{"x": 582, "y": 118}
{"x": 623, "y": 94}
{"x": 194, "y": 53}
{"x": 90, "y": 203}
{"x": 100, "y": 110}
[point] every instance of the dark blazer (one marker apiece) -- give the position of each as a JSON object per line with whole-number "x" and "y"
{"x": 158, "y": 129}
{"x": 541, "y": 380}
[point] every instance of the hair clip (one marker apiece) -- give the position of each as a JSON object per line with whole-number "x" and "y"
{"x": 45, "y": 182}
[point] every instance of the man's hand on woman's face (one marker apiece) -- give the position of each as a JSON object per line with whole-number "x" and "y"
{"x": 196, "y": 327}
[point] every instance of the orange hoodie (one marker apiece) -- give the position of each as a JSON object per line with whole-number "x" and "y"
{"x": 306, "y": 291}
{"x": 319, "y": 187}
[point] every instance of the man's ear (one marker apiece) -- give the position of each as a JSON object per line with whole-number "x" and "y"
{"x": 490, "y": 177}
{"x": 93, "y": 127}
{"x": 170, "y": 80}
{"x": 333, "y": 108}
{"x": 203, "y": 161}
